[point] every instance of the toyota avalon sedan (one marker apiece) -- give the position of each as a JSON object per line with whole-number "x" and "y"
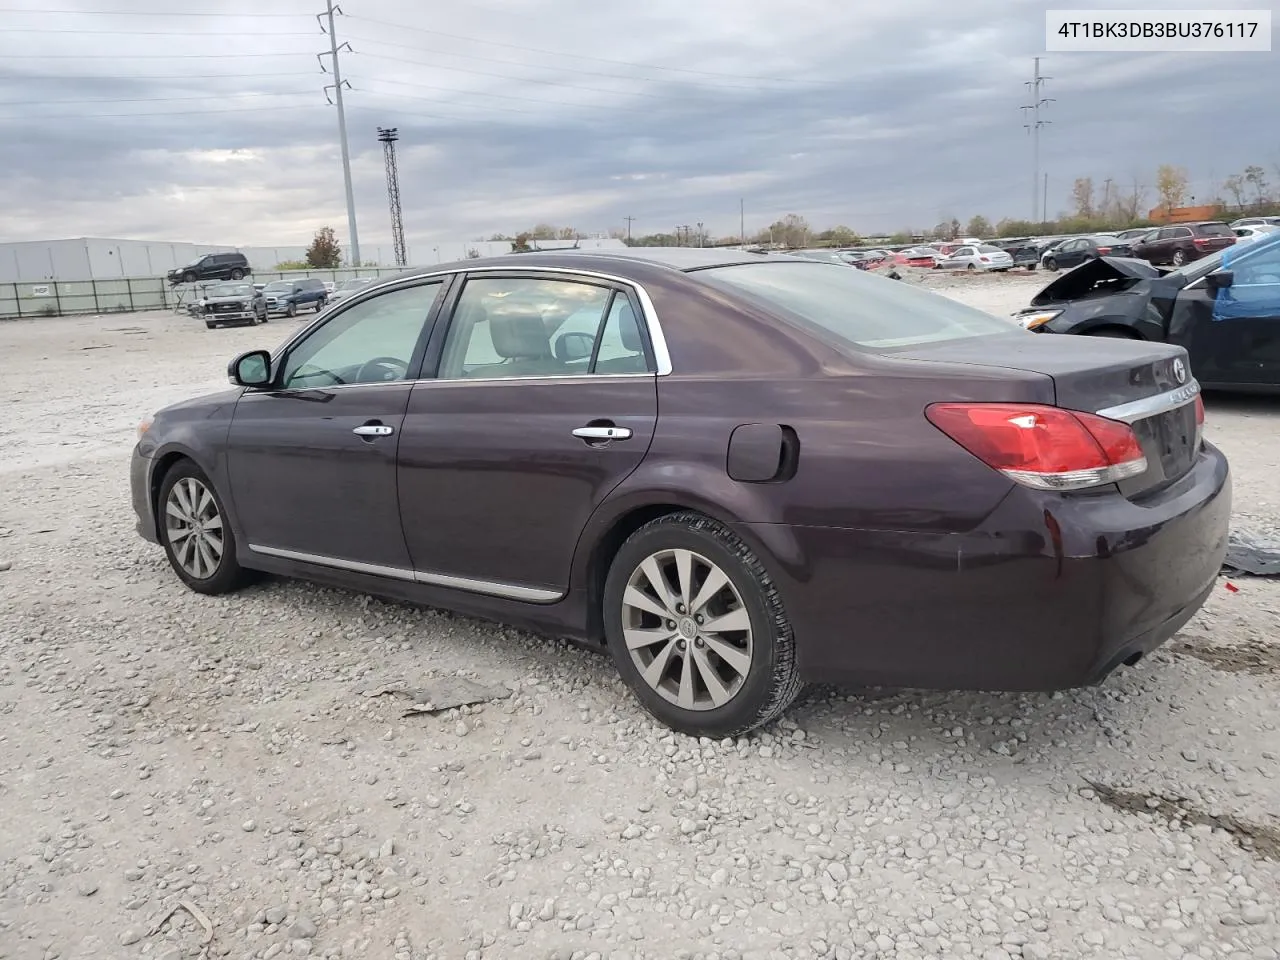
{"x": 735, "y": 472}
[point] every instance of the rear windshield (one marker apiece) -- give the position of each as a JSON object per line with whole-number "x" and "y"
{"x": 1215, "y": 230}
{"x": 860, "y": 309}
{"x": 988, "y": 248}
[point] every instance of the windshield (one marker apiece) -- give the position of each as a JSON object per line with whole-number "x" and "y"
{"x": 857, "y": 308}
{"x": 231, "y": 290}
{"x": 276, "y": 286}
{"x": 354, "y": 284}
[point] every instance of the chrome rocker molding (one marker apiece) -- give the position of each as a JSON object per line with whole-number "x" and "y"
{"x": 509, "y": 591}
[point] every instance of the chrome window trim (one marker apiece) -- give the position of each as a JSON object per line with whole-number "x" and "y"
{"x": 570, "y": 378}
{"x": 661, "y": 353}
{"x": 494, "y": 588}
{"x": 1152, "y": 406}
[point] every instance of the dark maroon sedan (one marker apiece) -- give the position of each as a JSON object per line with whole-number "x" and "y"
{"x": 736, "y": 471}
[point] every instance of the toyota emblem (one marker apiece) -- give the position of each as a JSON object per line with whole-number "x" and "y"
{"x": 1179, "y": 370}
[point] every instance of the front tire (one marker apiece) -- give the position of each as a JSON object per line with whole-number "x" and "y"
{"x": 237, "y": 274}
{"x": 210, "y": 324}
{"x": 188, "y": 277}
{"x": 196, "y": 532}
{"x": 697, "y": 628}
{"x": 291, "y": 310}
{"x": 1051, "y": 265}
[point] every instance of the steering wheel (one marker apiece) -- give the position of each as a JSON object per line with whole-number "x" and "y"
{"x": 382, "y": 369}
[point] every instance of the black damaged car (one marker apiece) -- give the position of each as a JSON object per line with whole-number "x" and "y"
{"x": 1223, "y": 309}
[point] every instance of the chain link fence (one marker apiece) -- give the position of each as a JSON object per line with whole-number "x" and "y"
{"x": 60, "y": 298}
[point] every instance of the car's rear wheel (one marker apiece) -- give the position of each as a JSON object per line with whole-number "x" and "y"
{"x": 321, "y": 304}
{"x": 972, "y": 267}
{"x": 1179, "y": 258}
{"x": 697, "y": 628}
{"x": 196, "y": 533}
{"x": 210, "y": 324}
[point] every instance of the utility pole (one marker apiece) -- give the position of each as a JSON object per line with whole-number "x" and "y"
{"x": 1037, "y": 101}
{"x": 1106, "y": 196}
{"x": 336, "y": 87}
{"x": 742, "y": 221}
{"x": 388, "y": 137}
{"x": 1044, "y": 217}
{"x": 701, "y": 241}
{"x": 628, "y": 219}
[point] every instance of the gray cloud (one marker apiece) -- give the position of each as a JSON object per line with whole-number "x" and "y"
{"x": 880, "y": 116}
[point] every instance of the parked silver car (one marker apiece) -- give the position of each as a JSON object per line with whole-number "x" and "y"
{"x": 981, "y": 256}
{"x": 347, "y": 287}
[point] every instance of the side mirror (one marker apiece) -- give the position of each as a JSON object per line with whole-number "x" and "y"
{"x": 252, "y": 369}
{"x": 573, "y": 346}
{"x": 1220, "y": 279}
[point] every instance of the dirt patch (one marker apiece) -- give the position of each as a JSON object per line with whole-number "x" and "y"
{"x": 1252, "y": 658}
{"x": 1259, "y": 839}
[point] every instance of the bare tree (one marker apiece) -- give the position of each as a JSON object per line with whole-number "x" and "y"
{"x": 1235, "y": 186}
{"x": 1082, "y": 197}
{"x": 1129, "y": 205}
{"x": 1256, "y": 177}
{"x": 1171, "y": 184}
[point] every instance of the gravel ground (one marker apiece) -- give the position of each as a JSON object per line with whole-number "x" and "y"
{"x": 169, "y": 761}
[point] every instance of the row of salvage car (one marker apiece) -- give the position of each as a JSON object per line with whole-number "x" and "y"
{"x": 241, "y": 302}
{"x": 1222, "y": 308}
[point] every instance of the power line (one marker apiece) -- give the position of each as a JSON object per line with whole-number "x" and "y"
{"x": 579, "y": 56}
{"x": 223, "y": 96}
{"x": 146, "y": 56}
{"x": 158, "y": 76}
{"x": 145, "y": 13}
{"x": 168, "y": 113}
{"x": 481, "y": 93}
{"x": 155, "y": 33}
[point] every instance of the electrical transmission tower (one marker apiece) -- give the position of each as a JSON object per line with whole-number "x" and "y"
{"x": 388, "y": 137}
{"x": 1033, "y": 127}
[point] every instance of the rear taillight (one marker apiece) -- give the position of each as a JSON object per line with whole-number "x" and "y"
{"x": 1103, "y": 251}
{"x": 1199, "y": 421}
{"x": 1043, "y": 447}
{"x": 1200, "y": 241}
{"x": 985, "y": 259}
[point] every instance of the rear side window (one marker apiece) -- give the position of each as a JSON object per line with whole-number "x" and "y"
{"x": 858, "y": 309}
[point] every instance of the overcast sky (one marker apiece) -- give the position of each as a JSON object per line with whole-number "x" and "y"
{"x": 213, "y": 127}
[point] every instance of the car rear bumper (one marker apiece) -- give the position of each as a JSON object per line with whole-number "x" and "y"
{"x": 140, "y": 494}
{"x": 1050, "y": 592}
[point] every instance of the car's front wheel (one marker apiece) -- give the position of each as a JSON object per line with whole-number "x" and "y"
{"x": 291, "y": 310}
{"x": 697, "y": 628}
{"x": 196, "y": 533}
{"x": 188, "y": 277}
{"x": 1051, "y": 265}
{"x": 237, "y": 274}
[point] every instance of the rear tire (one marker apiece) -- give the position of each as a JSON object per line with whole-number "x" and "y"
{"x": 696, "y": 677}
{"x": 1179, "y": 258}
{"x": 196, "y": 532}
{"x": 1031, "y": 267}
{"x": 210, "y": 324}
{"x": 971, "y": 267}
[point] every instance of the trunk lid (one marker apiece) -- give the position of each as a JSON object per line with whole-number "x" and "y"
{"x": 1147, "y": 385}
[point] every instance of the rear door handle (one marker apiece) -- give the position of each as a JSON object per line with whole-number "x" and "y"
{"x": 603, "y": 433}
{"x": 374, "y": 430}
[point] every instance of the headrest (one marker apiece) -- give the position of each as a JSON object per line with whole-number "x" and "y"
{"x": 629, "y": 329}
{"x": 519, "y": 335}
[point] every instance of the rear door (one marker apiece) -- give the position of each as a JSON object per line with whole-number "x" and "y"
{"x": 544, "y": 400}
{"x": 312, "y": 459}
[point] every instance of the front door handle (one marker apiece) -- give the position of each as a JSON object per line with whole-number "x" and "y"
{"x": 374, "y": 430}
{"x": 603, "y": 433}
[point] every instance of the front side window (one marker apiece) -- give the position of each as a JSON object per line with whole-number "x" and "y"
{"x": 1254, "y": 266}
{"x": 370, "y": 342}
{"x": 851, "y": 306}
{"x": 507, "y": 327}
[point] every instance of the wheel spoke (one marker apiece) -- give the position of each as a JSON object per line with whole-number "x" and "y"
{"x": 210, "y": 563}
{"x": 175, "y": 510}
{"x": 684, "y": 576}
{"x": 633, "y": 597}
{"x": 179, "y": 533}
{"x": 186, "y": 554}
{"x": 686, "y": 696}
{"x": 739, "y": 661}
{"x": 711, "y": 679}
{"x": 203, "y": 508}
{"x": 659, "y": 583}
{"x": 733, "y": 620}
{"x": 639, "y": 639}
{"x": 653, "y": 672}
{"x": 184, "y": 502}
{"x": 215, "y": 544}
{"x": 213, "y": 523}
{"x": 715, "y": 582}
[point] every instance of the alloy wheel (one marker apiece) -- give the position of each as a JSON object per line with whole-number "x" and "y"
{"x": 687, "y": 629}
{"x": 193, "y": 526}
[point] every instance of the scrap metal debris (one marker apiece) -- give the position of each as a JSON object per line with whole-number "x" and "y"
{"x": 442, "y": 693}
{"x": 1252, "y": 556}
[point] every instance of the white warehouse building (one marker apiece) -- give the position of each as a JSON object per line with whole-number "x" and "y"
{"x": 100, "y": 258}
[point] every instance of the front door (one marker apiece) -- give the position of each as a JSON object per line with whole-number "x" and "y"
{"x": 312, "y": 459}
{"x": 544, "y": 401}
